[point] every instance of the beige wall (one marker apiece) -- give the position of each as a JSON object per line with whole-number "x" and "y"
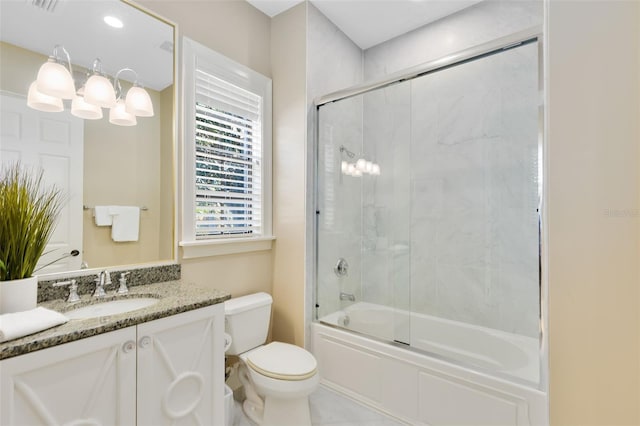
{"x": 594, "y": 328}
{"x": 288, "y": 49}
{"x": 233, "y": 28}
{"x": 239, "y": 31}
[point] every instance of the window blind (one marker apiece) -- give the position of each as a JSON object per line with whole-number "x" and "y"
{"x": 228, "y": 197}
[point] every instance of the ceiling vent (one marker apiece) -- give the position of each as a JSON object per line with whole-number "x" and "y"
{"x": 46, "y": 5}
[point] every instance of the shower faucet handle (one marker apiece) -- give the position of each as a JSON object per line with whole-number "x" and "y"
{"x": 342, "y": 267}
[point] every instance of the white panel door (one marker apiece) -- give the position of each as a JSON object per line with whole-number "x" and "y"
{"x": 181, "y": 369}
{"x": 53, "y": 141}
{"x": 90, "y": 382}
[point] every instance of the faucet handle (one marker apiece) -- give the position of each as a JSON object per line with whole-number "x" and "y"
{"x": 107, "y": 277}
{"x": 123, "y": 284}
{"x": 73, "y": 290}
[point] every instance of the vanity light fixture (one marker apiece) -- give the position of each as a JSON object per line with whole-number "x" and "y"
{"x": 83, "y": 109}
{"x": 42, "y": 102}
{"x": 54, "y": 79}
{"x": 137, "y": 102}
{"x": 119, "y": 116}
{"x": 98, "y": 90}
{"x": 55, "y": 83}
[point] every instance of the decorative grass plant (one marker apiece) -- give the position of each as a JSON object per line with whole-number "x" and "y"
{"x": 28, "y": 213}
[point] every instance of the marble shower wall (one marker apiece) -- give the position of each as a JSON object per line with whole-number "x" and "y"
{"x": 451, "y": 225}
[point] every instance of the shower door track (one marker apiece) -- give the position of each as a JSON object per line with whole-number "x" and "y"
{"x": 493, "y": 47}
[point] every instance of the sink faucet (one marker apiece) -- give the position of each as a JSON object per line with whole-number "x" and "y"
{"x": 347, "y": 296}
{"x": 104, "y": 278}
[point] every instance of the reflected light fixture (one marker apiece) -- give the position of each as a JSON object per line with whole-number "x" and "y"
{"x": 54, "y": 79}
{"x": 83, "y": 109}
{"x": 98, "y": 90}
{"x": 118, "y": 115}
{"x": 42, "y": 102}
{"x": 55, "y": 83}
{"x": 137, "y": 102}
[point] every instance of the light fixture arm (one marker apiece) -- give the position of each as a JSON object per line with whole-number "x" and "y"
{"x": 117, "y": 84}
{"x": 57, "y": 58}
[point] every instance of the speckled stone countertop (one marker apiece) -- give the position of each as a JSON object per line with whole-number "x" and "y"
{"x": 174, "y": 297}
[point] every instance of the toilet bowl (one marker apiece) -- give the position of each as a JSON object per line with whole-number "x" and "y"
{"x": 278, "y": 377}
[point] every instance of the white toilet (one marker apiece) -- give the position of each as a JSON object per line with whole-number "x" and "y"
{"x": 277, "y": 377}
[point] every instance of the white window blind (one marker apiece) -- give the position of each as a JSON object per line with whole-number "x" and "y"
{"x": 228, "y": 159}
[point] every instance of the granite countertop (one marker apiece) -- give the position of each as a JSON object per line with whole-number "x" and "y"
{"x": 174, "y": 297}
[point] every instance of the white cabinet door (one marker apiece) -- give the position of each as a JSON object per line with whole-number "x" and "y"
{"x": 89, "y": 382}
{"x": 181, "y": 369}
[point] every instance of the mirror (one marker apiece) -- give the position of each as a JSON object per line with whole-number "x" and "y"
{"x": 96, "y": 163}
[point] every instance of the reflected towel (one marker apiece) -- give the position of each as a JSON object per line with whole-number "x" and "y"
{"x": 126, "y": 223}
{"x": 18, "y": 324}
{"x": 102, "y": 216}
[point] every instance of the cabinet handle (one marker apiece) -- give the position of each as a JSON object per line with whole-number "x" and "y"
{"x": 128, "y": 346}
{"x": 144, "y": 342}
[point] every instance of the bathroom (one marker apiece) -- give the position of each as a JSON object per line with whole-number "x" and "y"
{"x": 590, "y": 236}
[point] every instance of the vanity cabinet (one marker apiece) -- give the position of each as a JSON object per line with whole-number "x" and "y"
{"x": 166, "y": 371}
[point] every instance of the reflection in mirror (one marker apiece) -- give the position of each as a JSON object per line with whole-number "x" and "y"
{"x": 97, "y": 163}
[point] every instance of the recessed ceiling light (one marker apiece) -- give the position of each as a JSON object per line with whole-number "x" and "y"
{"x": 114, "y": 22}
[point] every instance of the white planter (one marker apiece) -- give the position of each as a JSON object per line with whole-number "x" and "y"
{"x": 18, "y": 295}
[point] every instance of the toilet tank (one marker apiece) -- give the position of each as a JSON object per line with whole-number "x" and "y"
{"x": 247, "y": 321}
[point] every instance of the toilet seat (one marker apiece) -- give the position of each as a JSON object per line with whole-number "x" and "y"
{"x": 282, "y": 361}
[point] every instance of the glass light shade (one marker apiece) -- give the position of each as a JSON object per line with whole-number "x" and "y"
{"x": 138, "y": 102}
{"x": 360, "y": 164}
{"x": 42, "y": 102}
{"x": 368, "y": 167}
{"x": 119, "y": 116}
{"x": 99, "y": 91}
{"x": 55, "y": 80}
{"x": 82, "y": 109}
{"x": 375, "y": 169}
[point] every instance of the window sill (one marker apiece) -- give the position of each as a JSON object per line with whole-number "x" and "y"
{"x": 206, "y": 248}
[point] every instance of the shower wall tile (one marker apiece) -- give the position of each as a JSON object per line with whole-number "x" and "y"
{"x": 480, "y": 23}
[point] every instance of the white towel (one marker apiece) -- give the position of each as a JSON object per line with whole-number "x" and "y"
{"x": 126, "y": 223}
{"x": 102, "y": 215}
{"x": 20, "y": 324}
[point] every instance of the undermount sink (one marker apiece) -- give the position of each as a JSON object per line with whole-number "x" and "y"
{"x": 112, "y": 307}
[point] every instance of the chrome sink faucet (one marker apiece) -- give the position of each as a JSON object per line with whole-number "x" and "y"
{"x": 104, "y": 278}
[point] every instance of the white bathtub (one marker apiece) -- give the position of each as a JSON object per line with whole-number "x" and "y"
{"x": 460, "y": 374}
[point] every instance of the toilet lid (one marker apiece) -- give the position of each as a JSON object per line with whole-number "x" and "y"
{"x": 282, "y": 361}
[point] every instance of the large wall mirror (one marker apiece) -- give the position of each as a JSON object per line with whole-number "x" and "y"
{"x": 95, "y": 162}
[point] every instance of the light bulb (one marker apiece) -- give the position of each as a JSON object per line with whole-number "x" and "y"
{"x": 55, "y": 80}
{"x": 119, "y": 116}
{"x": 368, "y": 167}
{"x": 82, "y": 109}
{"x": 99, "y": 91}
{"x": 138, "y": 102}
{"x": 42, "y": 102}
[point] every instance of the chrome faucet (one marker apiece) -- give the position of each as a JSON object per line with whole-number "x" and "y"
{"x": 347, "y": 296}
{"x": 104, "y": 278}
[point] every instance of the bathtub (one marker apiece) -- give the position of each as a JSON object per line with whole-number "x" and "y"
{"x": 453, "y": 373}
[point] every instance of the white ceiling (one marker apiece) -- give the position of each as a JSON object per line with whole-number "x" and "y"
{"x": 371, "y": 22}
{"x": 78, "y": 26}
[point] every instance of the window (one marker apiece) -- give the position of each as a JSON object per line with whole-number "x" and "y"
{"x": 227, "y": 155}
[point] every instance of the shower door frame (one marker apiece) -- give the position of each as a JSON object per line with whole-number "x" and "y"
{"x": 499, "y": 45}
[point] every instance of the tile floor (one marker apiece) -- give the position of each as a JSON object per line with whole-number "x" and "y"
{"x": 331, "y": 409}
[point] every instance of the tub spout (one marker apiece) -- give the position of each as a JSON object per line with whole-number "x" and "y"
{"x": 347, "y": 296}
